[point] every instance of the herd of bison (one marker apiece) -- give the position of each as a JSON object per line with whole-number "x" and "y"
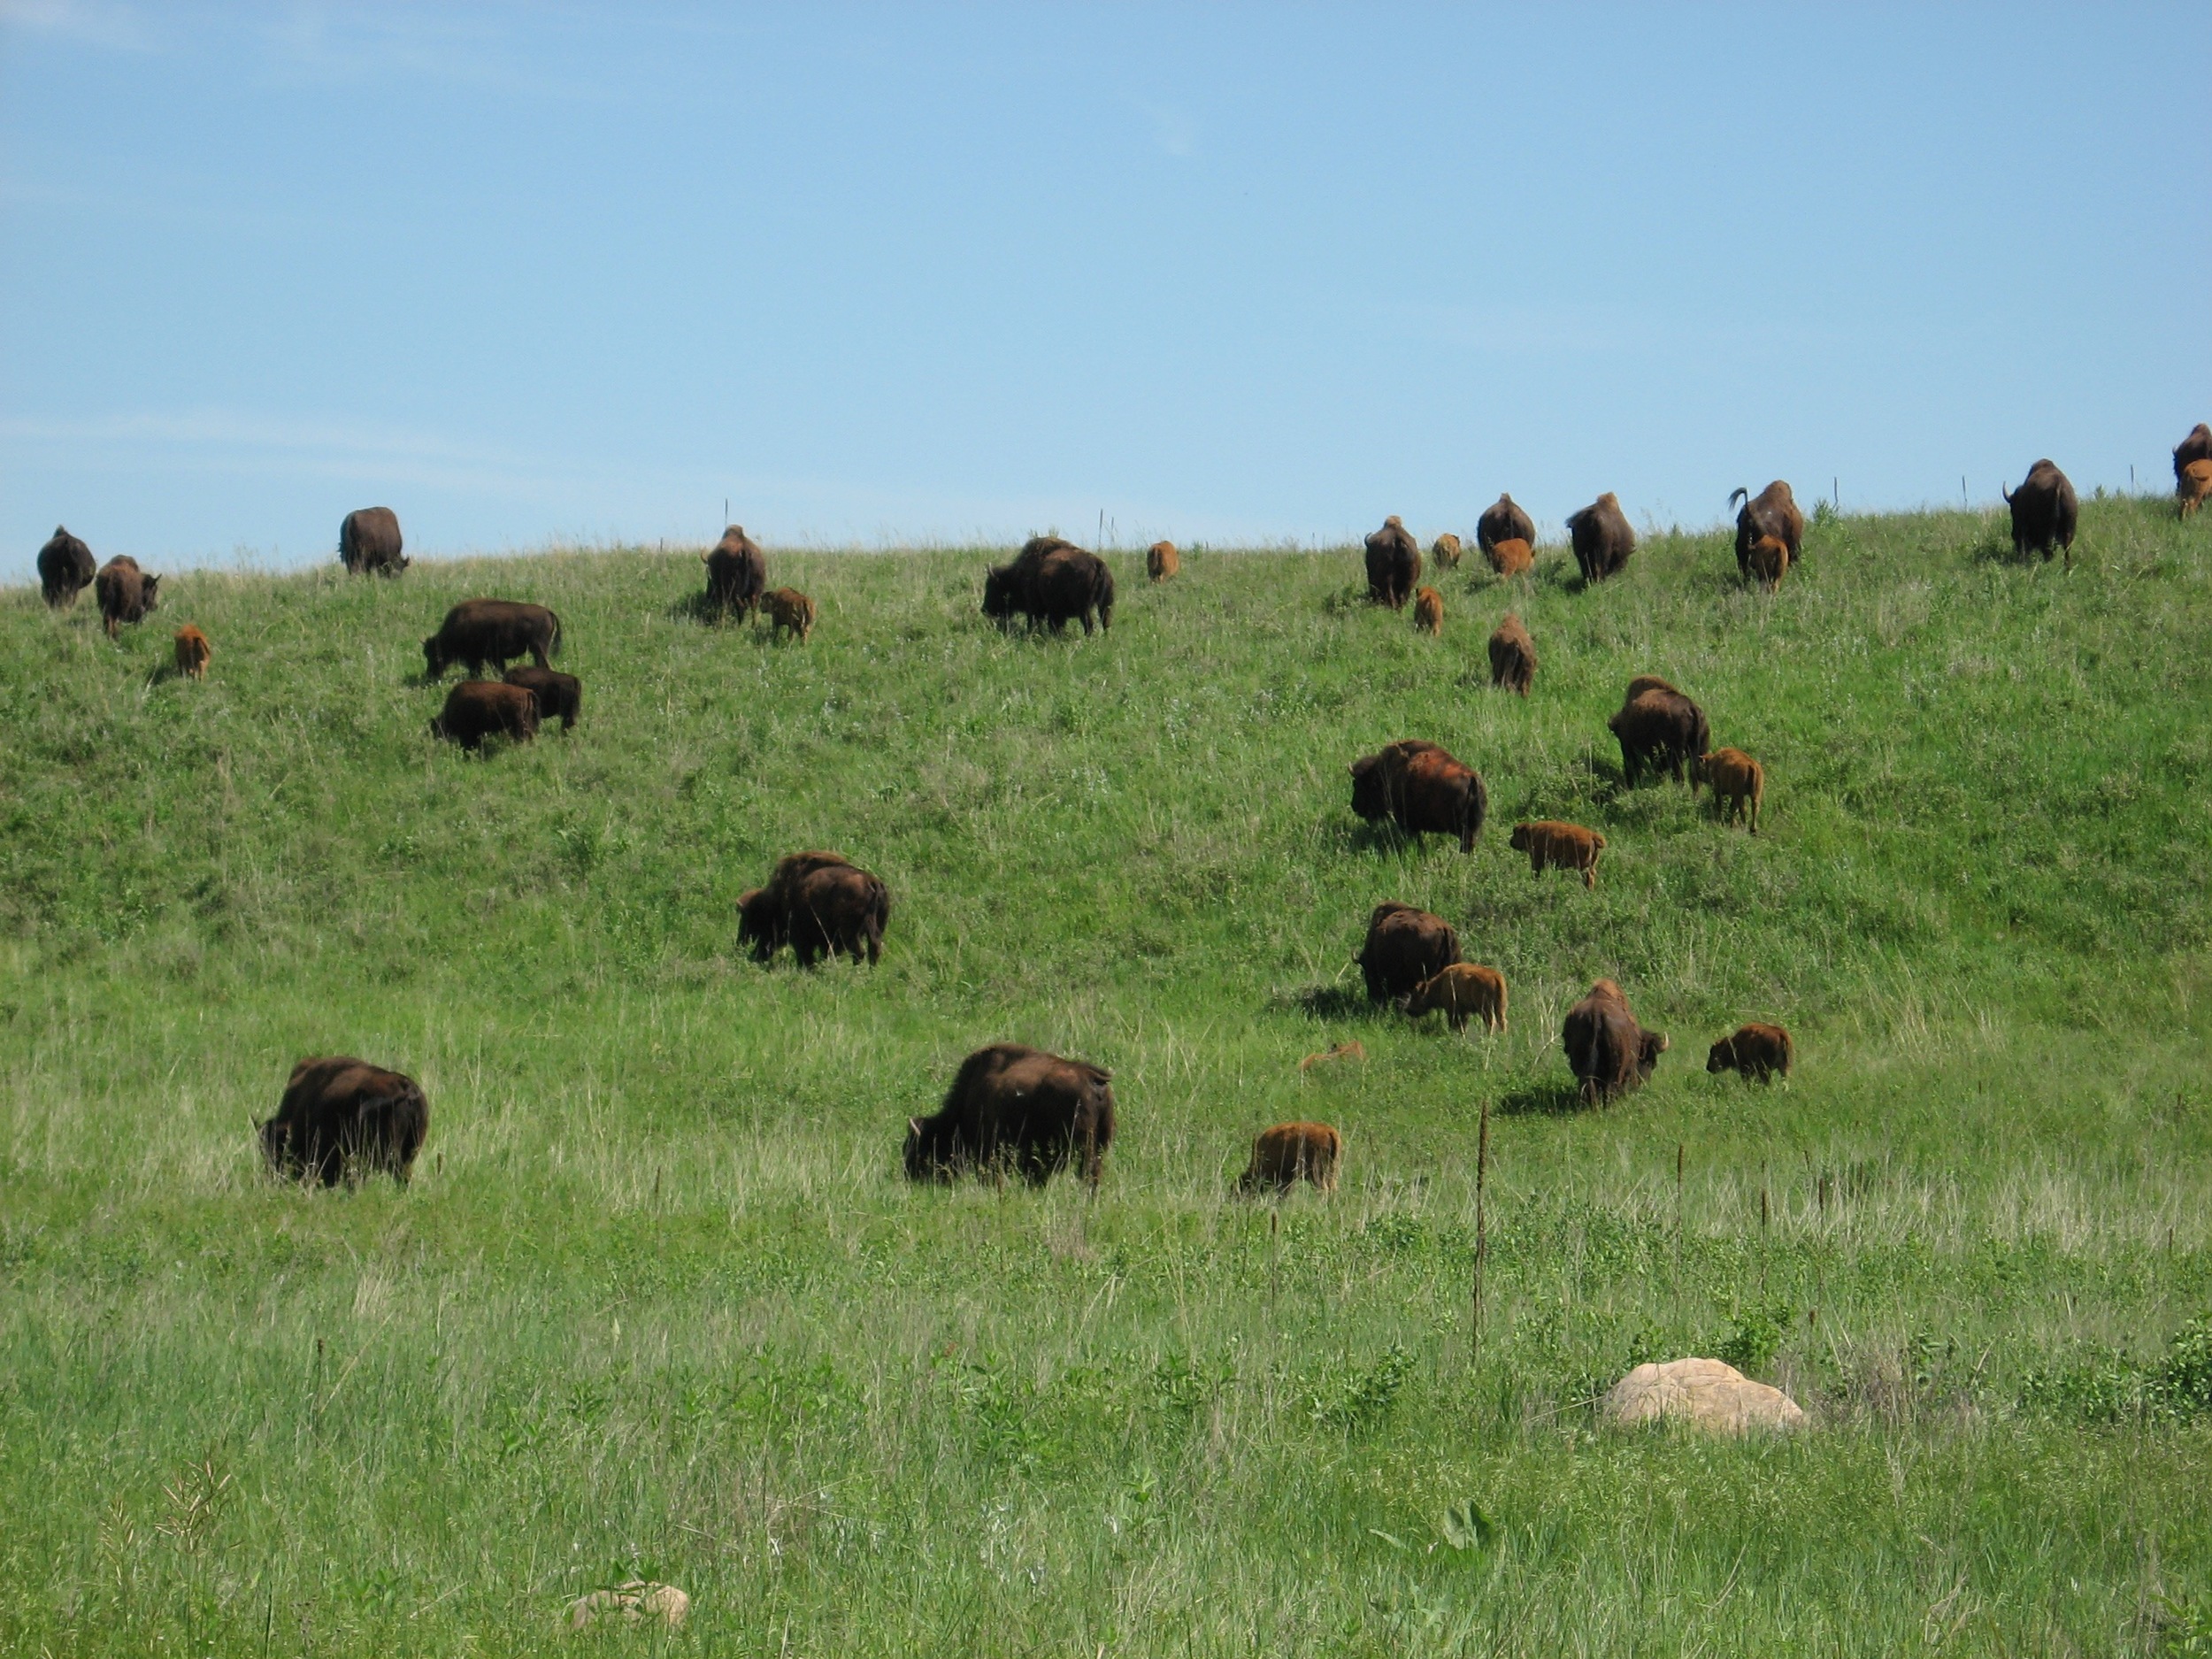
{"x": 1014, "y": 1110}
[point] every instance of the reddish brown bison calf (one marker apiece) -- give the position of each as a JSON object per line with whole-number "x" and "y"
{"x": 1352, "y": 1050}
{"x": 1445, "y": 552}
{"x": 1607, "y": 1051}
{"x": 1017, "y": 1107}
{"x": 1511, "y": 557}
{"x": 1162, "y": 561}
{"x": 1428, "y": 611}
{"x": 1290, "y": 1153}
{"x": 2193, "y": 485}
{"x": 342, "y": 1119}
{"x": 1740, "y": 784}
{"x": 193, "y": 652}
{"x": 560, "y": 696}
{"x": 1756, "y": 1052}
{"x": 1464, "y": 991}
{"x": 788, "y": 610}
{"x": 1512, "y": 657}
{"x": 1552, "y": 845}
{"x": 477, "y": 708}
{"x": 1767, "y": 562}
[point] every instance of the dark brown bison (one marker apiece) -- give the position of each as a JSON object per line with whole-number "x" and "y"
{"x": 1512, "y": 656}
{"x": 1757, "y": 1051}
{"x": 2044, "y": 512}
{"x": 477, "y": 708}
{"x": 368, "y": 540}
{"x": 193, "y": 652}
{"x": 1661, "y": 729}
{"x": 1007, "y": 587}
{"x": 342, "y": 1118}
{"x": 65, "y": 568}
{"x": 819, "y": 903}
{"x": 737, "y": 573}
{"x": 1405, "y": 947}
{"x": 1553, "y": 845}
{"x": 1643, "y": 683}
{"x": 559, "y": 695}
{"x": 1051, "y": 582}
{"x": 1422, "y": 790}
{"x": 495, "y": 631}
{"x": 1290, "y": 1153}
{"x": 1393, "y": 564}
{"x": 1608, "y": 1052}
{"x": 2196, "y": 447}
{"x": 1015, "y": 1106}
{"x": 1772, "y": 513}
{"x": 125, "y": 592}
{"x": 1502, "y": 521}
{"x": 1603, "y": 538}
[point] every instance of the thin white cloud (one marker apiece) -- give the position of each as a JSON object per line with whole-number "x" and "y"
{"x": 88, "y": 22}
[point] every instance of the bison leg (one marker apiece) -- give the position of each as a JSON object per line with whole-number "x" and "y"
{"x": 1589, "y": 876}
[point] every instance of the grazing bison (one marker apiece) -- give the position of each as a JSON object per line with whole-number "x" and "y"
{"x": 788, "y": 610}
{"x": 1740, "y": 784}
{"x": 477, "y": 708}
{"x": 342, "y": 1119}
{"x": 1012, "y": 1105}
{"x": 1422, "y": 790}
{"x": 2195, "y": 485}
{"x": 1502, "y": 521}
{"x": 1512, "y": 656}
{"x": 2044, "y": 512}
{"x": 1445, "y": 552}
{"x": 1773, "y": 513}
{"x": 1290, "y": 1153}
{"x": 1352, "y": 1050}
{"x": 1393, "y": 564}
{"x": 1757, "y": 1051}
{"x": 1162, "y": 561}
{"x": 1512, "y": 557}
{"x": 193, "y": 652}
{"x": 1463, "y": 992}
{"x": 2194, "y": 448}
{"x": 1007, "y": 588}
{"x": 1608, "y": 1052}
{"x": 1643, "y": 683}
{"x": 1071, "y": 585}
{"x": 1767, "y": 562}
{"x": 1552, "y": 845}
{"x": 1428, "y": 611}
{"x": 65, "y": 568}
{"x": 737, "y": 573}
{"x": 559, "y": 695}
{"x": 1660, "y": 728}
{"x": 819, "y": 903}
{"x": 368, "y": 540}
{"x": 1404, "y": 947}
{"x": 125, "y": 592}
{"x": 1603, "y": 538}
{"x": 495, "y": 631}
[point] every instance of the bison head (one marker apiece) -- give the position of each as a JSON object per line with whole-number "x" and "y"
{"x": 1722, "y": 1056}
{"x": 1519, "y": 843}
{"x": 1370, "y": 800}
{"x": 928, "y": 1156}
{"x": 276, "y": 1145}
{"x": 1652, "y": 1045}
{"x": 758, "y": 925}
{"x": 433, "y": 657}
{"x": 1001, "y": 596}
{"x": 147, "y": 595}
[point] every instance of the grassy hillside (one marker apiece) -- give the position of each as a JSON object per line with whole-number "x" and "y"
{"x": 659, "y": 1301}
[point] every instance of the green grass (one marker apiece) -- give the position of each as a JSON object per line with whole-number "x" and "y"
{"x": 659, "y": 1300}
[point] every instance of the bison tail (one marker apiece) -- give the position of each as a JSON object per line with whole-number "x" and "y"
{"x": 1737, "y": 494}
{"x": 553, "y": 645}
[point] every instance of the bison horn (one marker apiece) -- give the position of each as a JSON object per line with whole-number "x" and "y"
{"x": 913, "y": 1126}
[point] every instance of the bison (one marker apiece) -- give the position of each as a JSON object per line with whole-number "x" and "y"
{"x": 1422, "y": 790}
{"x": 788, "y": 610}
{"x": 1007, "y": 588}
{"x": 477, "y": 709}
{"x": 1773, "y": 512}
{"x": 125, "y": 592}
{"x": 1603, "y": 538}
{"x": 1511, "y": 557}
{"x": 1552, "y": 845}
{"x": 1017, "y": 1106}
{"x": 1607, "y": 1051}
{"x": 65, "y": 568}
{"x": 2045, "y": 512}
{"x": 342, "y": 1119}
{"x": 1502, "y": 521}
{"x": 1645, "y": 682}
{"x": 1512, "y": 656}
{"x": 1405, "y": 947}
{"x": 2194, "y": 448}
{"x": 1352, "y": 1050}
{"x": 1428, "y": 611}
{"x": 1162, "y": 561}
{"x": 1290, "y": 1153}
{"x": 1393, "y": 564}
{"x": 2195, "y": 485}
{"x": 819, "y": 903}
{"x": 1660, "y": 728}
{"x": 1463, "y": 992}
{"x": 1071, "y": 585}
{"x": 737, "y": 573}
{"x": 1740, "y": 784}
{"x": 368, "y": 540}
{"x": 193, "y": 652}
{"x": 1757, "y": 1051}
{"x": 559, "y": 695}
{"x": 495, "y": 631}
{"x": 1445, "y": 552}
{"x": 1767, "y": 562}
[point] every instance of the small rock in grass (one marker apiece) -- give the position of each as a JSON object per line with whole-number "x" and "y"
{"x": 1704, "y": 1394}
{"x": 633, "y": 1603}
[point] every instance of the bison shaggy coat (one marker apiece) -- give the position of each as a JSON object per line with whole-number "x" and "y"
{"x": 1503, "y": 520}
{"x": 1290, "y": 1153}
{"x": 2196, "y": 447}
{"x": 125, "y": 592}
{"x": 737, "y": 573}
{"x": 65, "y": 568}
{"x": 477, "y": 708}
{"x": 1511, "y": 557}
{"x": 1010, "y": 1105}
{"x": 1661, "y": 729}
{"x": 1757, "y": 1051}
{"x": 559, "y": 695}
{"x": 1393, "y": 564}
{"x": 2045, "y": 512}
{"x": 1740, "y": 784}
{"x": 1607, "y": 1051}
{"x": 368, "y": 540}
{"x": 1422, "y": 790}
{"x": 1445, "y": 552}
{"x": 819, "y": 903}
{"x": 1553, "y": 845}
{"x": 1773, "y": 513}
{"x": 193, "y": 652}
{"x": 495, "y": 631}
{"x": 1428, "y": 611}
{"x": 1766, "y": 563}
{"x": 788, "y": 610}
{"x": 1603, "y": 538}
{"x": 1162, "y": 561}
{"x": 342, "y": 1119}
{"x": 2195, "y": 485}
{"x": 1464, "y": 991}
{"x": 1405, "y": 947}
{"x": 1512, "y": 656}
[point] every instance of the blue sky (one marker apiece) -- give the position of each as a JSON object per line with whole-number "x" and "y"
{"x": 1219, "y": 272}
